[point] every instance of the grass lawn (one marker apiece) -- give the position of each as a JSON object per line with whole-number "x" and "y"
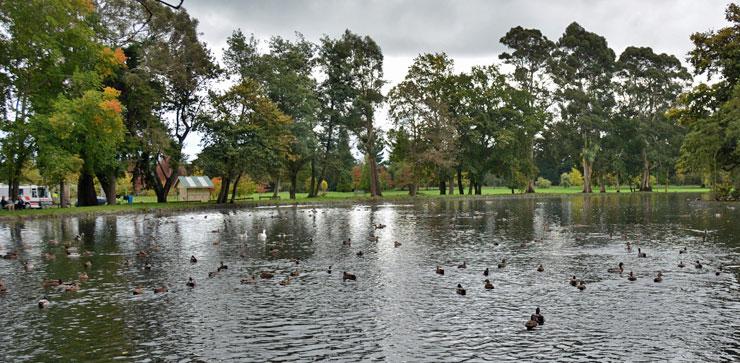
{"x": 149, "y": 203}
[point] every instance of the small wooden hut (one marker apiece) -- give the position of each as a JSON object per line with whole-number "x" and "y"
{"x": 194, "y": 188}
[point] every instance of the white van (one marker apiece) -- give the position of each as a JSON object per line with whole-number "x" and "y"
{"x": 35, "y": 196}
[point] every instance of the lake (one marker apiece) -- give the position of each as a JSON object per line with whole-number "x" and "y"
{"x": 398, "y": 309}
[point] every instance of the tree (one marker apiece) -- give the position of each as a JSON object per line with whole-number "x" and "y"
{"x": 649, "y": 84}
{"x": 246, "y": 132}
{"x": 184, "y": 67}
{"x": 709, "y": 112}
{"x": 43, "y": 44}
{"x": 582, "y": 67}
{"x": 353, "y": 66}
{"x": 530, "y": 55}
{"x": 421, "y": 113}
{"x": 285, "y": 73}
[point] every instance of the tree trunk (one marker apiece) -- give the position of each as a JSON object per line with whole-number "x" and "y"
{"x": 470, "y": 187}
{"x": 276, "y": 189}
{"x": 293, "y": 183}
{"x": 412, "y": 190}
{"x": 63, "y": 202}
{"x": 442, "y": 187}
{"x": 452, "y": 186}
{"x": 478, "y": 189}
{"x": 645, "y": 182}
{"x": 460, "y": 186}
{"x": 586, "y": 175}
{"x": 86, "y": 195}
{"x": 602, "y": 186}
{"x": 108, "y": 183}
{"x": 374, "y": 182}
{"x": 530, "y": 186}
{"x": 233, "y": 191}
{"x": 311, "y": 189}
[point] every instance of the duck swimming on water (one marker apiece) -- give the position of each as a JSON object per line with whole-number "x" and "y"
{"x": 681, "y": 264}
{"x": 531, "y": 323}
{"x": 502, "y": 264}
{"x": 440, "y": 271}
{"x": 698, "y": 264}
{"x": 460, "y": 290}
{"x": 641, "y": 254}
{"x": 348, "y": 276}
{"x": 463, "y": 265}
{"x": 540, "y": 268}
{"x": 488, "y": 285}
{"x": 574, "y": 281}
{"x": 659, "y": 277}
{"x": 631, "y": 276}
{"x": 485, "y": 272}
{"x": 618, "y": 269}
{"x": 540, "y": 318}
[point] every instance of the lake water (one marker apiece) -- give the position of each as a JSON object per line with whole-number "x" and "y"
{"x": 398, "y": 309}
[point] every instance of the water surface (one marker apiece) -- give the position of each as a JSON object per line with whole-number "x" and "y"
{"x": 398, "y": 309}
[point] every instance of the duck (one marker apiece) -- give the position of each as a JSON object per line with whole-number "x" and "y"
{"x": 659, "y": 277}
{"x": 460, "y": 290}
{"x": 138, "y": 291}
{"x": 147, "y": 267}
{"x": 43, "y": 303}
{"x": 3, "y": 289}
{"x": 212, "y": 274}
{"x": 379, "y": 226}
{"x": 488, "y": 285}
{"x": 11, "y": 256}
{"x": 27, "y": 266}
{"x": 222, "y": 267}
{"x": 540, "y": 268}
{"x": 295, "y": 273}
{"x": 631, "y": 276}
{"x": 193, "y": 259}
{"x": 190, "y": 283}
{"x": 681, "y": 264}
{"x": 373, "y": 239}
{"x": 539, "y": 317}
{"x": 347, "y": 242}
{"x": 329, "y": 269}
{"x": 396, "y": 244}
{"x": 262, "y": 235}
{"x": 51, "y": 283}
{"x": 485, "y": 272}
{"x": 71, "y": 287}
{"x": 629, "y": 247}
{"x": 285, "y": 281}
{"x": 142, "y": 254}
{"x": 463, "y": 265}
{"x": 640, "y": 253}
{"x": 531, "y": 323}
{"x": 348, "y": 276}
{"x": 83, "y": 276}
{"x": 440, "y": 271}
{"x": 698, "y": 264}
{"x": 502, "y": 264}
{"x": 266, "y": 275}
{"x": 581, "y": 285}
{"x": 248, "y": 280}
{"x": 573, "y": 281}
{"x": 79, "y": 237}
{"x": 88, "y": 264}
{"x": 359, "y": 254}
{"x": 719, "y": 270}
{"x": 160, "y": 290}
{"x": 682, "y": 251}
{"x": 618, "y": 269}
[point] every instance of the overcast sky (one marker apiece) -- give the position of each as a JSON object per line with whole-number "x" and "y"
{"x": 469, "y": 31}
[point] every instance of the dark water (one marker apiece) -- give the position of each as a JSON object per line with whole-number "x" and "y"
{"x": 398, "y": 309}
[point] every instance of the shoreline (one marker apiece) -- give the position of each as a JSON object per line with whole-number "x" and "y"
{"x": 178, "y": 207}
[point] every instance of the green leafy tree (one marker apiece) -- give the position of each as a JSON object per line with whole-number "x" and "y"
{"x": 649, "y": 84}
{"x": 530, "y": 54}
{"x": 582, "y": 67}
{"x": 709, "y": 112}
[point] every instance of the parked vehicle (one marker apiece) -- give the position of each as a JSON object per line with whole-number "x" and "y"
{"x": 32, "y": 196}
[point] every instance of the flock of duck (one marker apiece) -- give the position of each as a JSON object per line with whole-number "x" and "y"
{"x": 72, "y": 252}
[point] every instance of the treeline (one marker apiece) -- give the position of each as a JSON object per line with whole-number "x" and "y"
{"x": 97, "y": 90}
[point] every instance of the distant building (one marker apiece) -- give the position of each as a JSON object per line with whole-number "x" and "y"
{"x": 194, "y": 188}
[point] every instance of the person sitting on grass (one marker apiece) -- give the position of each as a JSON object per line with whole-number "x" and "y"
{"x": 3, "y": 203}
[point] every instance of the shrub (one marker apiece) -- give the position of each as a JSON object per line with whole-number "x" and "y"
{"x": 543, "y": 183}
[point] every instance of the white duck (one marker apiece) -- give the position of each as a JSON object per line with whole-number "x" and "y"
{"x": 262, "y": 236}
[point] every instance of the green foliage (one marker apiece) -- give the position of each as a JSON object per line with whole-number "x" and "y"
{"x": 572, "y": 178}
{"x": 543, "y": 183}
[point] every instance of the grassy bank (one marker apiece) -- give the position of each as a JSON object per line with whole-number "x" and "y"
{"x": 148, "y": 204}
